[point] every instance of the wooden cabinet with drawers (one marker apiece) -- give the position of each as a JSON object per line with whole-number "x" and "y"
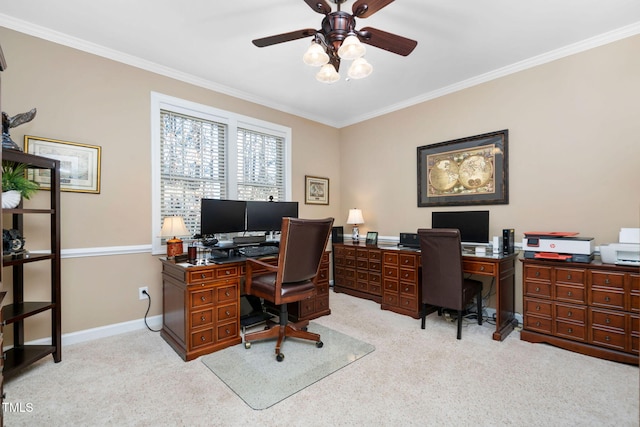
{"x": 587, "y": 308}
{"x": 317, "y": 306}
{"x": 401, "y": 282}
{"x": 201, "y": 308}
{"x": 358, "y": 271}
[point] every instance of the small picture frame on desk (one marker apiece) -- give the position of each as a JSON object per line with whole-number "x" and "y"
{"x": 372, "y": 238}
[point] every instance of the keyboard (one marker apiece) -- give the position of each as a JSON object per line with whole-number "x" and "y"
{"x": 258, "y": 251}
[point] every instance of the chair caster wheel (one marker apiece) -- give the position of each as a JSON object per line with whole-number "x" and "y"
{"x": 319, "y": 344}
{"x": 305, "y": 329}
{"x": 280, "y": 357}
{"x": 247, "y": 345}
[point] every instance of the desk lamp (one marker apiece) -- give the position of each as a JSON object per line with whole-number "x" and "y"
{"x": 355, "y": 218}
{"x": 173, "y": 226}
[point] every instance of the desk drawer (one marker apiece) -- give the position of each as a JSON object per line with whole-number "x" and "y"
{"x": 608, "y": 319}
{"x": 200, "y": 276}
{"x": 607, "y": 298}
{"x": 574, "y": 331}
{"x": 539, "y": 324}
{"x": 537, "y": 307}
{"x": 407, "y": 275}
{"x": 574, "y": 294}
{"x": 227, "y": 312}
{"x": 607, "y": 279}
{"x": 390, "y": 272}
{"x": 201, "y": 298}
{"x": 202, "y": 318}
{"x": 570, "y": 275}
{"x": 227, "y": 293}
{"x": 537, "y": 289}
{"x": 573, "y": 313}
{"x": 227, "y": 331}
{"x": 391, "y": 298}
{"x": 478, "y": 267}
{"x": 230, "y": 271}
{"x": 390, "y": 258}
{"x": 201, "y": 338}
{"x": 608, "y": 338}
{"x": 537, "y": 272}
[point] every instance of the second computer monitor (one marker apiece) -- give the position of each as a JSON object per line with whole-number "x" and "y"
{"x": 267, "y": 216}
{"x": 473, "y": 225}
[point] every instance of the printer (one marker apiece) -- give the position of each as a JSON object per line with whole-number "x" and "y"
{"x": 561, "y": 246}
{"x": 626, "y": 251}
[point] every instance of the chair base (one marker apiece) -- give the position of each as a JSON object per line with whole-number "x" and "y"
{"x": 281, "y": 331}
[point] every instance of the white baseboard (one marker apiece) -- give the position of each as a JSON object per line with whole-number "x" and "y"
{"x": 154, "y": 322}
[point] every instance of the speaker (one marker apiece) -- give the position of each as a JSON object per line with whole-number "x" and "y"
{"x": 337, "y": 235}
{"x": 508, "y": 241}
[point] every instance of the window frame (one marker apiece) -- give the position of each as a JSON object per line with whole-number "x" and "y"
{"x": 233, "y": 121}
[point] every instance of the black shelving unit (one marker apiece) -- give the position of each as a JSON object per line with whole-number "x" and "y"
{"x": 21, "y": 354}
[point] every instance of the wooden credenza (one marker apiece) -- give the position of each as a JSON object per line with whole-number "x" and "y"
{"x": 201, "y": 305}
{"x": 391, "y": 276}
{"x": 587, "y": 308}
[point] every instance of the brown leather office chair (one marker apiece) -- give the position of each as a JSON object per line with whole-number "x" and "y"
{"x": 302, "y": 243}
{"x": 443, "y": 283}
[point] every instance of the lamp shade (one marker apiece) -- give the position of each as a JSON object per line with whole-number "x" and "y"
{"x": 360, "y": 69}
{"x": 328, "y": 74}
{"x": 315, "y": 55}
{"x": 173, "y": 226}
{"x": 351, "y": 48}
{"x": 355, "y": 217}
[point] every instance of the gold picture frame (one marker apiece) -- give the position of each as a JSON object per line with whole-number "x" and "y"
{"x": 316, "y": 190}
{"x": 79, "y": 164}
{"x": 466, "y": 171}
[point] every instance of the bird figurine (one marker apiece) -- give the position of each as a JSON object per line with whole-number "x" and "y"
{"x": 12, "y": 122}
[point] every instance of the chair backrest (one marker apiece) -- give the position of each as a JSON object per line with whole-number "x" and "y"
{"x": 442, "y": 277}
{"x": 302, "y": 244}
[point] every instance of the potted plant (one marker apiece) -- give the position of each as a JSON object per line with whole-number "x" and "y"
{"x": 15, "y": 184}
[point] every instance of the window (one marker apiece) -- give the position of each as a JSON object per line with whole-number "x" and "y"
{"x": 195, "y": 156}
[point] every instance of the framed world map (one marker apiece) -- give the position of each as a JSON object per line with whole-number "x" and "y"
{"x": 466, "y": 171}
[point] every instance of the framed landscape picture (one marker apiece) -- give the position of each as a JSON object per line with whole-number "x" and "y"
{"x": 79, "y": 164}
{"x": 316, "y": 190}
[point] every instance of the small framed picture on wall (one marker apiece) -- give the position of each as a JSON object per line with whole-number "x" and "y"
{"x": 316, "y": 190}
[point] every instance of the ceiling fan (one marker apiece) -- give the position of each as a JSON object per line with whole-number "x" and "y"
{"x": 339, "y": 39}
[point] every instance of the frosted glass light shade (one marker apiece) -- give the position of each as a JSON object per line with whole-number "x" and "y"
{"x": 351, "y": 48}
{"x": 355, "y": 217}
{"x": 328, "y": 74}
{"x": 315, "y": 56}
{"x": 360, "y": 69}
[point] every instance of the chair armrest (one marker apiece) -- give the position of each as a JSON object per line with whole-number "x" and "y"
{"x": 251, "y": 261}
{"x": 254, "y": 263}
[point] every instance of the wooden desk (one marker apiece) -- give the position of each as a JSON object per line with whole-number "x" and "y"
{"x": 201, "y": 305}
{"x": 391, "y": 276}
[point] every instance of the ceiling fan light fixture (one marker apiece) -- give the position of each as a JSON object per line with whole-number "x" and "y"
{"x": 327, "y": 74}
{"x": 351, "y": 48}
{"x": 360, "y": 69}
{"x": 315, "y": 55}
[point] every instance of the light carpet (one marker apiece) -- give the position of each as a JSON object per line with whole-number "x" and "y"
{"x": 258, "y": 379}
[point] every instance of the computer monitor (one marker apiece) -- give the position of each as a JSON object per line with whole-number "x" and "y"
{"x": 267, "y": 216}
{"x": 473, "y": 225}
{"x": 222, "y": 216}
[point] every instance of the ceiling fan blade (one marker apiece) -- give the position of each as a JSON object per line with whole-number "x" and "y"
{"x": 319, "y": 6}
{"x": 366, "y": 8}
{"x": 285, "y": 37}
{"x": 387, "y": 41}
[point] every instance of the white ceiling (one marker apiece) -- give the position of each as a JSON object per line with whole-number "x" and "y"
{"x": 206, "y": 42}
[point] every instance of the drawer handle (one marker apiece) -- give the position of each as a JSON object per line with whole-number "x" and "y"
{"x": 537, "y": 308}
{"x": 607, "y": 338}
{"x": 227, "y": 293}
{"x": 406, "y": 289}
{"x": 227, "y": 331}
{"x": 227, "y": 272}
{"x": 482, "y": 268}
{"x": 537, "y": 273}
{"x": 203, "y": 318}
{"x": 607, "y": 320}
{"x": 569, "y": 314}
{"x": 570, "y": 330}
{"x": 203, "y": 299}
{"x": 607, "y": 299}
{"x": 227, "y": 313}
{"x": 569, "y": 293}
{"x": 202, "y": 338}
{"x": 202, "y": 275}
{"x": 537, "y": 289}
{"x": 568, "y": 276}
{"x": 538, "y": 323}
{"x": 607, "y": 281}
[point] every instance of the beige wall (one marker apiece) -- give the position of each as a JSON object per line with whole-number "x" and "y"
{"x": 573, "y": 156}
{"x": 88, "y": 99}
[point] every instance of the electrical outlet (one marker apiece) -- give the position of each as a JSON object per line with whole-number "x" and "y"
{"x": 141, "y": 291}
